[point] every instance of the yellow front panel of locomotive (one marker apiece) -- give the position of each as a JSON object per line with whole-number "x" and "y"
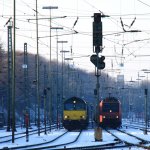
{"x": 74, "y": 115}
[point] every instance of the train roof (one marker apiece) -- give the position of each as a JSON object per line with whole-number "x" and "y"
{"x": 75, "y": 98}
{"x": 111, "y": 99}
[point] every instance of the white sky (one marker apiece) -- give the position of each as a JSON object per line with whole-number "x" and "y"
{"x": 81, "y": 43}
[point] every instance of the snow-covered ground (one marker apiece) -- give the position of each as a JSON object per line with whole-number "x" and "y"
{"x": 86, "y": 139}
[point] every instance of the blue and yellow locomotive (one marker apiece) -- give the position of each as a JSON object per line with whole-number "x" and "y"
{"x": 75, "y": 114}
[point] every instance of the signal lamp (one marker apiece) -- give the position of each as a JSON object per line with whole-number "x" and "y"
{"x": 74, "y": 102}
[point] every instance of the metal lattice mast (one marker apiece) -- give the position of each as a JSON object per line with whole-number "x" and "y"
{"x": 25, "y": 76}
{"x": 26, "y": 80}
{"x": 9, "y": 74}
{"x": 14, "y": 74}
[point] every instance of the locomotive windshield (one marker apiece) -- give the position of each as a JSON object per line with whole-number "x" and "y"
{"x": 80, "y": 106}
{"x": 75, "y": 106}
{"x": 110, "y": 107}
{"x": 69, "y": 106}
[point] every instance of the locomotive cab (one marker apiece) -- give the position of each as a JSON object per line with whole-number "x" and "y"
{"x": 109, "y": 113}
{"x": 75, "y": 114}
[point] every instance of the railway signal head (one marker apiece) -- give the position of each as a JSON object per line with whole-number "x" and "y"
{"x": 102, "y": 63}
{"x": 97, "y": 17}
{"x": 98, "y": 61}
{"x": 97, "y": 30}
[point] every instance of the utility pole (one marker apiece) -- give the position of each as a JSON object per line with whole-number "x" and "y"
{"x": 13, "y": 74}
{"x": 62, "y": 86}
{"x": 50, "y": 80}
{"x": 35, "y": 82}
{"x": 37, "y": 70}
{"x": 26, "y": 97}
{"x": 45, "y": 96}
{"x": 146, "y": 119}
{"x": 96, "y": 60}
{"x": 57, "y": 84}
{"x": 26, "y": 81}
{"x": 9, "y": 75}
{"x": 97, "y": 48}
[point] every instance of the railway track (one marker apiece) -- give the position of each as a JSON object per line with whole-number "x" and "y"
{"x": 8, "y": 138}
{"x": 33, "y": 146}
{"x": 53, "y": 143}
{"x": 61, "y": 142}
{"x": 62, "y": 139}
{"x": 126, "y": 125}
{"x": 129, "y": 139}
{"x": 139, "y": 123}
{"x": 97, "y": 145}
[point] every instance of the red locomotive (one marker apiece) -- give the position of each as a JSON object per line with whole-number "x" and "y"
{"x": 108, "y": 113}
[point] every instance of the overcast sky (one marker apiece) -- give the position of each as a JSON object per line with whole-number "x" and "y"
{"x": 124, "y": 50}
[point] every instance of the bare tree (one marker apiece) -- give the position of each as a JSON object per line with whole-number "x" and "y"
{"x": 1, "y": 55}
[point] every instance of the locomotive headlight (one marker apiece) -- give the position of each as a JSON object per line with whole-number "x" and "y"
{"x": 83, "y": 117}
{"x": 117, "y": 117}
{"x": 104, "y": 117}
{"x": 66, "y": 117}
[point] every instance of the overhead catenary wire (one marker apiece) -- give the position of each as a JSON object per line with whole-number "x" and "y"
{"x": 80, "y": 16}
{"x": 143, "y": 3}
